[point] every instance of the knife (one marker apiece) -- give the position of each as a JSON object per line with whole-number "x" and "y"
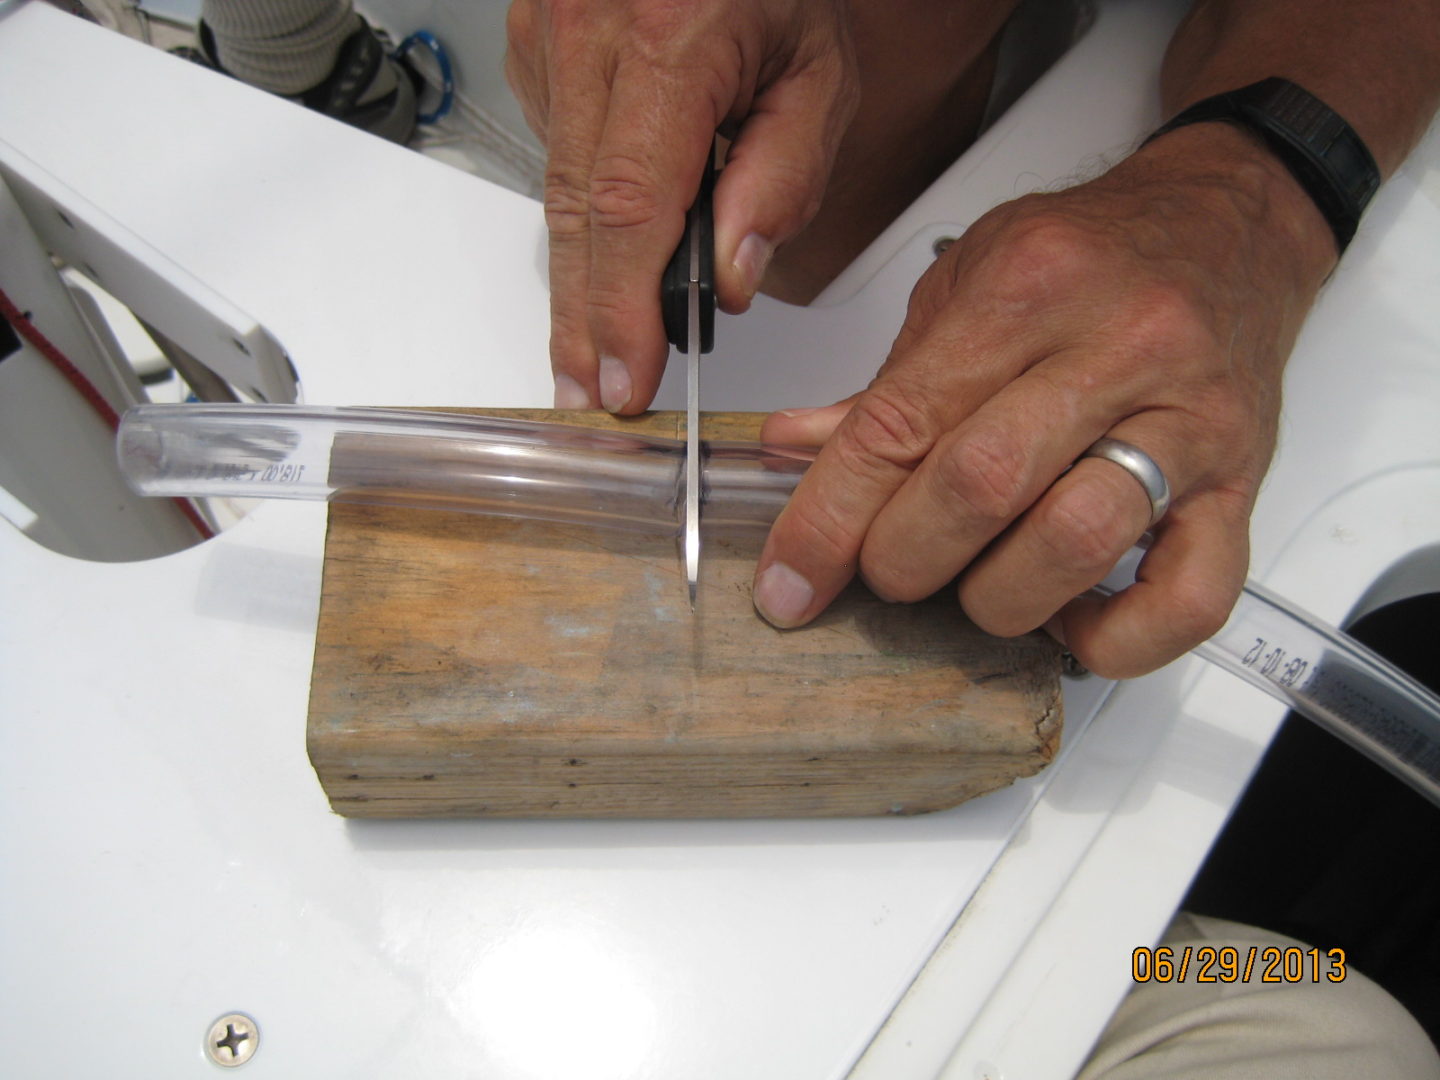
{"x": 687, "y": 302}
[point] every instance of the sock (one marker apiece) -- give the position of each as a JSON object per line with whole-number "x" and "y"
{"x": 283, "y": 46}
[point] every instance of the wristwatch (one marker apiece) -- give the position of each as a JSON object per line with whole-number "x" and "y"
{"x": 1324, "y": 154}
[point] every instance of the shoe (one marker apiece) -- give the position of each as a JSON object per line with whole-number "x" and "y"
{"x": 366, "y": 89}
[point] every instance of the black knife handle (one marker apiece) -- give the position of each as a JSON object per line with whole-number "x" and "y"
{"x": 675, "y": 284}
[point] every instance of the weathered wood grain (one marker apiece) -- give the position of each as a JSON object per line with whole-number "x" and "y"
{"x": 470, "y": 666}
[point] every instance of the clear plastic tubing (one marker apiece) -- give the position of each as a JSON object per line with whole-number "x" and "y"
{"x": 551, "y": 472}
{"x": 1330, "y": 678}
{"x": 449, "y": 461}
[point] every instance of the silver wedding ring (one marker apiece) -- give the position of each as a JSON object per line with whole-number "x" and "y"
{"x": 1142, "y": 467}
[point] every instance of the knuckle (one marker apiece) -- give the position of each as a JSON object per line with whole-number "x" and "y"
{"x": 623, "y": 194}
{"x": 566, "y": 202}
{"x": 890, "y": 425}
{"x": 1082, "y": 532}
{"x": 1041, "y": 252}
{"x": 985, "y": 473}
{"x": 814, "y": 528}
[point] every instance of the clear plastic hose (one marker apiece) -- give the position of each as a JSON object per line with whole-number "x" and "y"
{"x": 448, "y": 461}
{"x": 1333, "y": 680}
{"x": 552, "y": 472}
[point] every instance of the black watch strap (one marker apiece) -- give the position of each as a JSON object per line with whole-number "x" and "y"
{"x": 1324, "y": 154}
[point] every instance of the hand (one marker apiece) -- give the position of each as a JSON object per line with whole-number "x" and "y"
{"x": 627, "y": 96}
{"x": 1157, "y": 305}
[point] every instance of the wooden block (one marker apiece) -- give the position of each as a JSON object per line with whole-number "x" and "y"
{"x": 472, "y": 666}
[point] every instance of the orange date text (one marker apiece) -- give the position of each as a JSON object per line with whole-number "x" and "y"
{"x": 1237, "y": 964}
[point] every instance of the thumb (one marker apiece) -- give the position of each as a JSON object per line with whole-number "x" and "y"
{"x": 775, "y": 175}
{"x": 805, "y": 427}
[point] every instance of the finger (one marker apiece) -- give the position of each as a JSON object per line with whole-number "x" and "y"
{"x": 814, "y": 546}
{"x": 580, "y": 99}
{"x": 805, "y": 427}
{"x": 983, "y": 475}
{"x": 776, "y": 172}
{"x": 646, "y": 174}
{"x": 1185, "y": 588}
{"x": 524, "y": 65}
{"x": 1073, "y": 536}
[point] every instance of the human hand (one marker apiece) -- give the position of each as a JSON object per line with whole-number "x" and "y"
{"x": 1157, "y": 305}
{"x": 627, "y": 96}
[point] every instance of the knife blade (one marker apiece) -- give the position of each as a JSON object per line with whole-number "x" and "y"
{"x": 688, "y": 306}
{"x": 692, "y": 420}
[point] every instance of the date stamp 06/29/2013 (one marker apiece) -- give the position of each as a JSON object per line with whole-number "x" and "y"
{"x": 1237, "y": 964}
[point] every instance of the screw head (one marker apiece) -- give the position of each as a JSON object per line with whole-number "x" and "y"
{"x": 232, "y": 1040}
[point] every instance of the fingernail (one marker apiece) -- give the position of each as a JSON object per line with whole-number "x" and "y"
{"x": 797, "y": 412}
{"x": 751, "y": 259}
{"x": 1055, "y": 627}
{"x": 615, "y": 387}
{"x": 782, "y": 596}
{"x": 569, "y": 394}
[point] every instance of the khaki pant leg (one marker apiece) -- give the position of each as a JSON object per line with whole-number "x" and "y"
{"x": 1258, "y": 1031}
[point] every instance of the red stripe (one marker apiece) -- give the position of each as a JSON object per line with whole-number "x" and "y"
{"x": 31, "y": 333}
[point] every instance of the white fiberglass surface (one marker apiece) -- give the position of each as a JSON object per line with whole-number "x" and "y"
{"x": 169, "y": 854}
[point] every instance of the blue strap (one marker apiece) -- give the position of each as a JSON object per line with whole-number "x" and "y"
{"x": 442, "y": 61}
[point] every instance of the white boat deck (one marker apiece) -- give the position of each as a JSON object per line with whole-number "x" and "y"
{"x": 168, "y": 854}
